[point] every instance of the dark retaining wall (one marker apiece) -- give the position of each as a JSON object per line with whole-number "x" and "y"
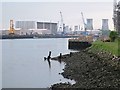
{"x": 78, "y": 45}
{"x": 15, "y": 36}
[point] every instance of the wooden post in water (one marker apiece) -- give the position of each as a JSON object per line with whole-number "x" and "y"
{"x": 60, "y": 55}
{"x": 49, "y": 55}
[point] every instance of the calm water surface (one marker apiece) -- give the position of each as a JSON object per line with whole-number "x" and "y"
{"x": 24, "y": 65}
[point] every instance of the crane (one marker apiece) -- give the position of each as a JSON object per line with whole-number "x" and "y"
{"x": 11, "y": 30}
{"x": 61, "y": 22}
{"x": 83, "y": 21}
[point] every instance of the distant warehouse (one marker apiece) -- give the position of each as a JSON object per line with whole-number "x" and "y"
{"x": 25, "y": 24}
{"x": 36, "y": 27}
{"x": 48, "y": 25}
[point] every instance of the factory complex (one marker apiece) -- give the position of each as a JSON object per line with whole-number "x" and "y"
{"x": 22, "y": 27}
{"x": 33, "y": 27}
{"x": 38, "y": 28}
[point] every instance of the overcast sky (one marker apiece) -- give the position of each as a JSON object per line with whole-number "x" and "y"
{"x": 49, "y": 11}
{"x": 57, "y": 0}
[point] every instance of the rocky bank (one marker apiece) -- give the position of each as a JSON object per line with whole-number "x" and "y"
{"x": 91, "y": 69}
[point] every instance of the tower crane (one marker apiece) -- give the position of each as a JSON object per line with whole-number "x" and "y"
{"x": 11, "y": 30}
{"x": 83, "y": 21}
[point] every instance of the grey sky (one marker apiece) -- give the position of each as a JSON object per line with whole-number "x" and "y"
{"x": 49, "y": 11}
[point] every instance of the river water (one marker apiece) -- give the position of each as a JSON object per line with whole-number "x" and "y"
{"x": 23, "y": 64}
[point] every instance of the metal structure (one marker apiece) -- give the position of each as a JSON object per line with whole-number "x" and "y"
{"x": 11, "y": 30}
{"x": 61, "y": 22}
{"x": 83, "y": 21}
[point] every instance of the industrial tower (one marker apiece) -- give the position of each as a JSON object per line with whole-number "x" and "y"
{"x": 105, "y": 24}
{"x": 89, "y": 25}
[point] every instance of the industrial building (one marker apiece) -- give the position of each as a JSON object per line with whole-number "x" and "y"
{"x": 35, "y": 27}
{"x": 89, "y": 25}
{"x": 25, "y": 25}
{"x": 50, "y": 26}
{"x": 68, "y": 30}
{"x": 105, "y": 24}
{"x": 77, "y": 27}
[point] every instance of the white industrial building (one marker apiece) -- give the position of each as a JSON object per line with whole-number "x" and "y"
{"x": 35, "y": 27}
{"x": 25, "y": 25}
{"x": 49, "y": 26}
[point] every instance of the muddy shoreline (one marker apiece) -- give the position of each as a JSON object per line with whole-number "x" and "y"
{"x": 90, "y": 68}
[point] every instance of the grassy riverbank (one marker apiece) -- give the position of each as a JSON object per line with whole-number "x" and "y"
{"x": 94, "y": 67}
{"x": 111, "y": 47}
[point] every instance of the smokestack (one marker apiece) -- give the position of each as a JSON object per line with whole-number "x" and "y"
{"x": 105, "y": 24}
{"x": 89, "y": 25}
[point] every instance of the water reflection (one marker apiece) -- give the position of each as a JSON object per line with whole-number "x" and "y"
{"x": 49, "y": 63}
{"x": 59, "y": 60}
{"x": 62, "y": 79}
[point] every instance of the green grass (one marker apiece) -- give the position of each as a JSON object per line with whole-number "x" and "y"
{"x": 112, "y": 47}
